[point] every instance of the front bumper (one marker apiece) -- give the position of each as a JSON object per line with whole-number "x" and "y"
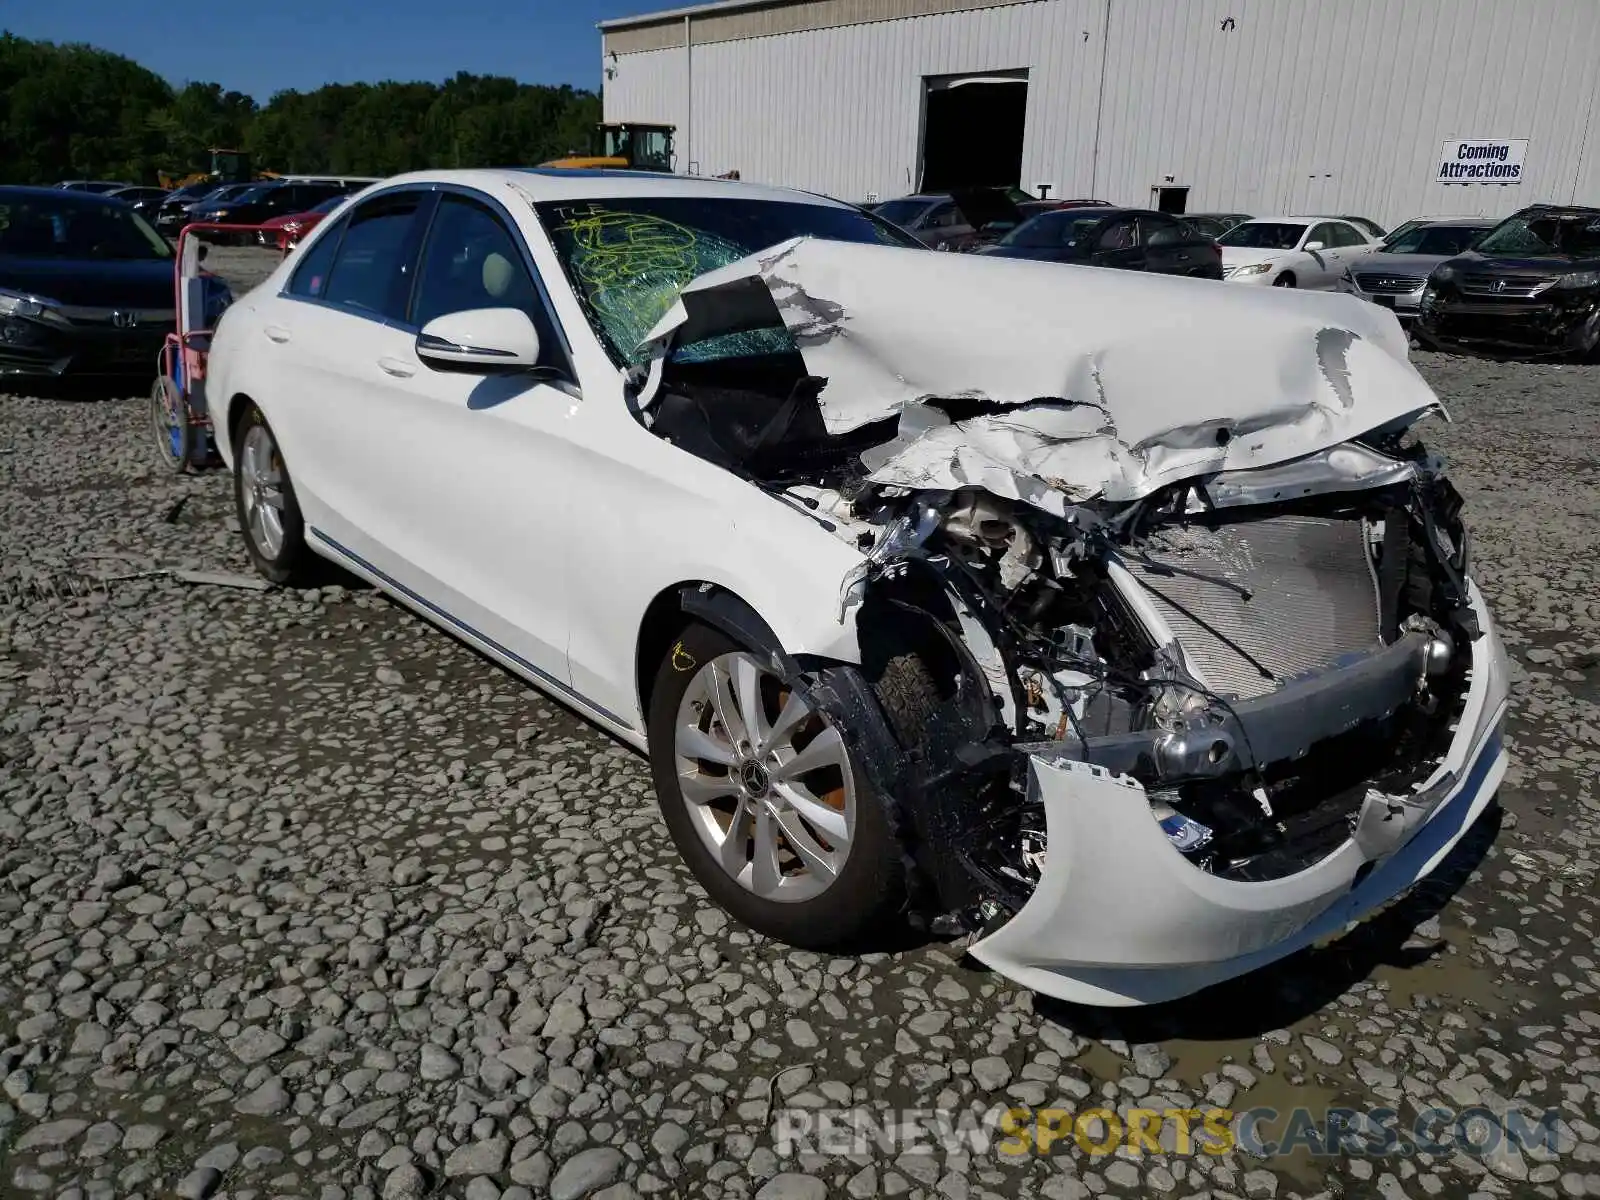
{"x": 1540, "y": 326}
{"x": 1404, "y": 305}
{"x": 1121, "y": 918}
{"x": 35, "y": 349}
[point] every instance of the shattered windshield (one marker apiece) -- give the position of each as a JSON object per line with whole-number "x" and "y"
{"x": 1574, "y": 235}
{"x": 1264, "y": 235}
{"x": 628, "y": 258}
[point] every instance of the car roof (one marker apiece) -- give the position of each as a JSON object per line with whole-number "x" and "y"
{"x": 18, "y": 192}
{"x": 560, "y": 183}
{"x": 1457, "y": 222}
{"x": 1577, "y": 210}
{"x": 1105, "y": 210}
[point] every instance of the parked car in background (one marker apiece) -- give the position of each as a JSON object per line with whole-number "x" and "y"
{"x": 1032, "y": 208}
{"x": 264, "y": 202}
{"x": 95, "y": 186}
{"x": 85, "y": 285}
{"x": 180, "y": 208}
{"x": 1302, "y": 252}
{"x": 1132, "y": 239}
{"x": 285, "y": 233}
{"x": 145, "y": 201}
{"x": 1531, "y": 285}
{"x": 1366, "y": 226}
{"x": 169, "y": 213}
{"x": 1215, "y": 224}
{"x": 957, "y": 220}
{"x": 1395, "y": 276}
{"x": 886, "y": 647}
{"x": 1406, "y": 227}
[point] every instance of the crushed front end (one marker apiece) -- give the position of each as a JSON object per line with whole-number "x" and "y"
{"x": 1168, "y": 612}
{"x": 1211, "y": 726}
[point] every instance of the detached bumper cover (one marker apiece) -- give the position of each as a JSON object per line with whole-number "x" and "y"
{"x": 1121, "y": 918}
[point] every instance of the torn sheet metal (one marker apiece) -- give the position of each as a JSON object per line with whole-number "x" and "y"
{"x": 1131, "y": 381}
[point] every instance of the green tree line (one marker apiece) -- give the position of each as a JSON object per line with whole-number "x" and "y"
{"x": 77, "y": 112}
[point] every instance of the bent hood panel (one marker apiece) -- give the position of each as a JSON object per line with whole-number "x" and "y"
{"x": 1169, "y": 377}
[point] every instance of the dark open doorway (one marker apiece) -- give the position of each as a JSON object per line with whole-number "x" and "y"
{"x": 972, "y": 130}
{"x": 1170, "y": 199}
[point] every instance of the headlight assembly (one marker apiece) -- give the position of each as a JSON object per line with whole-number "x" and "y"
{"x": 1253, "y": 269}
{"x": 1579, "y": 279}
{"x": 30, "y": 308}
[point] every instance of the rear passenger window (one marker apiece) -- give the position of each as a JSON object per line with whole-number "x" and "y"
{"x": 310, "y": 278}
{"x": 372, "y": 272}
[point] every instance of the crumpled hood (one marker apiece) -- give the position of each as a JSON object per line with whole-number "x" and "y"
{"x": 1089, "y": 382}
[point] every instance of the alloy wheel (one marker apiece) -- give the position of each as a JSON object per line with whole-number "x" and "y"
{"x": 261, "y": 489}
{"x": 766, "y": 778}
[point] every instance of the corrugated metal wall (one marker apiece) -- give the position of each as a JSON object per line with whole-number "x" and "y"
{"x": 1257, "y": 105}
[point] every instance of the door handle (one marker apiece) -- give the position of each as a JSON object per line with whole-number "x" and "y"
{"x": 397, "y": 367}
{"x": 276, "y": 332}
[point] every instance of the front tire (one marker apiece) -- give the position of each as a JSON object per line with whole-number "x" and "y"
{"x": 766, "y": 800}
{"x": 1284, "y": 280}
{"x": 269, "y": 514}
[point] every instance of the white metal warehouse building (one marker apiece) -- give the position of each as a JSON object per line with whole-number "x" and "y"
{"x": 1257, "y": 106}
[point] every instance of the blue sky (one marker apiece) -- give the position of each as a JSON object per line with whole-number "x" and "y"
{"x": 264, "y": 46}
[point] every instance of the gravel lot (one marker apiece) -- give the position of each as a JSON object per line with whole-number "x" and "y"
{"x": 298, "y": 896}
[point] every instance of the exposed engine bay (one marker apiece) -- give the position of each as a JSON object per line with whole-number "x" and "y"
{"x": 1263, "y": 617}
{"x": 1258, "y": 650}
{"x": 1258, "y": 669}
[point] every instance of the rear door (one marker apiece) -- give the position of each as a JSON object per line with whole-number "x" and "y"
{"x": 1173, "y": 247}
{"x": 330, "y": 334}
{"x": 1117, "y": 245}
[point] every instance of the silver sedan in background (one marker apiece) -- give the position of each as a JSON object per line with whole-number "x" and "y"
{"x": 1395, "y": 275}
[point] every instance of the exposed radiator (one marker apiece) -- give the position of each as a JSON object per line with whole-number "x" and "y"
{"x": 1314, "y": 597}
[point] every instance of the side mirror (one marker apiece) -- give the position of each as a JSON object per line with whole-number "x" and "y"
{"x": 480, "y": 339}
{"x": 1313, "y": 246}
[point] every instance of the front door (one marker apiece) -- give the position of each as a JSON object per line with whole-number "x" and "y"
{"x": 483, "y": 494}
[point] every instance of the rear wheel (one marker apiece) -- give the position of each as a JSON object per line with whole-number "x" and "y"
{"x": 169, "y": 422}
{"x": 766, "y": 800}
{"x": 1284, "y": 280}
{"x": 269, "y": 514}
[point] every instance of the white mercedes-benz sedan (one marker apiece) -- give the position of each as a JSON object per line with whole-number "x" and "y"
{"x": 1119, "y": 623}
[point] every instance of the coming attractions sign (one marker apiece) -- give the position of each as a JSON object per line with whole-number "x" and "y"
{"x": 1470, "y": 160}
